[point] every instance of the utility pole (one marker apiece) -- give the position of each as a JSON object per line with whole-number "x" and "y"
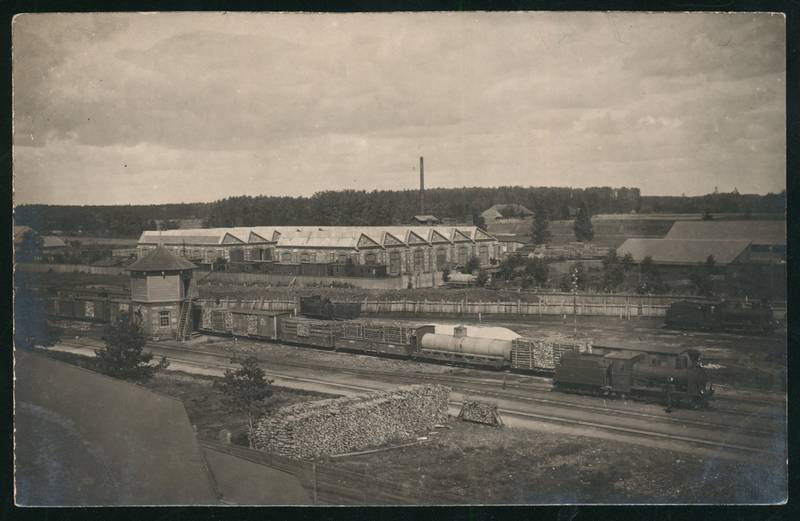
{"x": 575, "y": 301}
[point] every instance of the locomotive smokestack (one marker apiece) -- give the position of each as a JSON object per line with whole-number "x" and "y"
{"x": 421, "y": 186}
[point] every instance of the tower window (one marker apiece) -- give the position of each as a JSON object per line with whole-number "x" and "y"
{"x": 163, "y": 317}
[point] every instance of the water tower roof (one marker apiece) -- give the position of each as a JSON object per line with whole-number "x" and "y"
{"x": 161, "y": 259}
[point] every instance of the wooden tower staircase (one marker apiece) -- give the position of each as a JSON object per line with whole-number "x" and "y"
{"x": 185, "y": 321}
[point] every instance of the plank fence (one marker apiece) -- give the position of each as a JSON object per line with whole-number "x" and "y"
{"x": 329, "y": 484}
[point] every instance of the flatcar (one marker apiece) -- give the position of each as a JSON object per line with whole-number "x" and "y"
{"x": 634, "y": 374}
{"x": 739, "y": 317}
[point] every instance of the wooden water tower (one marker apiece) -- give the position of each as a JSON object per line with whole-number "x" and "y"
{"x": 162, "y": 290}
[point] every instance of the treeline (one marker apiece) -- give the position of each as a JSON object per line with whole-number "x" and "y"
{"x": 354, "y": 208}
{"x": 362, "y": 208}
{"x": 113, "y": 221}
{"x": 718, "y": 202}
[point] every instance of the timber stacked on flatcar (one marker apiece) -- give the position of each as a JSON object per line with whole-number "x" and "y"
{"x": 375, "y": 338}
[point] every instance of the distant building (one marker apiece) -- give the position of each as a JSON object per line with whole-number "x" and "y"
{"x": 404, "y": 250}
{"x": 505, "y": 213}
{"x": 428, "y": 220}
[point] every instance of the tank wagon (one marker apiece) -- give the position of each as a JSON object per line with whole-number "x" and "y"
{"x": 638, "y": 375}
{"x": 739, "y": 317}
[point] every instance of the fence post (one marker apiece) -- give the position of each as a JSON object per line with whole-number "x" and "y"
{"x": 314, "y": 472}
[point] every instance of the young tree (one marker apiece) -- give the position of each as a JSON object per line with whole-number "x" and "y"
{"x": 123, "y": 355}
{"x": 246, "y": 390}
{"x": 445, "y": 274}
{"x": 701, "y": 277}
{"x": 538, "y": 270}
{"x": 473, "y": 264}
{"x": 584, "y": 231}
{"x": 627, "y": 262}
{"x": 613, "y": 272}
{"x": 220, "y": 263}
{"x": 540, "y": 229}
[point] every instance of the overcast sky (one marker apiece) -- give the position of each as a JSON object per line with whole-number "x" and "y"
{"x": 154, "y": 108}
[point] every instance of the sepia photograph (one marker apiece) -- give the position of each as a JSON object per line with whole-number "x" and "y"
{"x": 407, "y": 258}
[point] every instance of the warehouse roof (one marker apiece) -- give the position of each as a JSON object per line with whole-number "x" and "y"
{"x": 757, "y": 232}
{"x": 686, "y": 251}
{"x": 161, "y": 259}
{"x": 354, "y": 237}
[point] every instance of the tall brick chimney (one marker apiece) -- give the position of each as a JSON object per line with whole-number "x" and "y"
{"x": 421, "y": 186}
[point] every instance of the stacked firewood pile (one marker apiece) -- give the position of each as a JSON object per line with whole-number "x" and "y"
{"x": 334, "y": 426}
{"x": 480, "y": 412}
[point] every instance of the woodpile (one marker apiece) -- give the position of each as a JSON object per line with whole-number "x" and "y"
{"x": 480, "y": 412}
{"x": 334, "y": 426}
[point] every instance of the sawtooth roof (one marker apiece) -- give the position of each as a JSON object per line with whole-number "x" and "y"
{"x": 683, "y": 251}
{"x": 757, "y": 232}
{"x": 161, "y": 259}
{"x": 353, "y": 237}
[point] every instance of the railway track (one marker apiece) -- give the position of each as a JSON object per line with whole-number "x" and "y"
{"x": 744, "y": 441}
{"x": 500, "y": 389}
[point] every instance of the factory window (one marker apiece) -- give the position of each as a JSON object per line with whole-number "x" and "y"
{"x": 484, "y": 255}
{"x": 394, "y": 262}
{"x": 163, "y": 318}
{"x": 333, "y": 257}
{"x": 441, "y": 259}
{"x": 462, "y": 255}
{"x": 304, "y": 257}
{"x": 419, "y": 259}
{"x": 370, "y": 258}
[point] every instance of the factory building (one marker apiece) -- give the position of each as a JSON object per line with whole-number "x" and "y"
{"x": 401, "y": 249}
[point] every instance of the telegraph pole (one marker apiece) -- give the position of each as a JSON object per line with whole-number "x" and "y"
{"x": 575, "y": 301}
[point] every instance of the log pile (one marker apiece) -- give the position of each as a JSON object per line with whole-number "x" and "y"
{"x": 334, "y": 426}
{"x": 480, "y": 412}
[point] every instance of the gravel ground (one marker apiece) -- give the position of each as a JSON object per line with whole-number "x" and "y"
{"x": 505, "y": 465}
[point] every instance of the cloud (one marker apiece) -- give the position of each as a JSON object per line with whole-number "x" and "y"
{"x": 318, "y": 101}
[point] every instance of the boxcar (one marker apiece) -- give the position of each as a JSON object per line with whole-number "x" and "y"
{"x": 369, "y": 337}
{"x": 309, "y": 332}
{"x": 256, "y": 323}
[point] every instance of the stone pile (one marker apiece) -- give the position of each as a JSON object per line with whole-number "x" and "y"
{"x": 480, "y": 412}
{"x": 335, "y": 426}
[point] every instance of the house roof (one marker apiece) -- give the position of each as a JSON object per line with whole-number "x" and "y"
{"x": 161, "y": 259}
{"x": 130, "y": 447}
{"x": 683, "y": 251}
{"x": 50, "y": 241}
{"x": 757, "y": 232}
{"x": 505, "y": 211}
{"x": 425, "y": 218}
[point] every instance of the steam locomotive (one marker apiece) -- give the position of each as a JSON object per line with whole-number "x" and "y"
{"x": 678, "y": 379}
{"x": 741, "y": 317}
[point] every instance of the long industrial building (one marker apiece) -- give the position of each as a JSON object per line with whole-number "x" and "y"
{"x": 401, "y": 249}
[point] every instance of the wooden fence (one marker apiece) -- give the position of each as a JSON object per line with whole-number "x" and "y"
{"x": 328, "y": 484}
{"x": 547, "y": 304}
{"x": 70, "y": 268}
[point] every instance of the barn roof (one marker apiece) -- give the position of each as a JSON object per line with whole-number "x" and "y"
{"x": 161, "y": 259}
{"x": 684, "y": 251}
{"x": 757, "y": 232}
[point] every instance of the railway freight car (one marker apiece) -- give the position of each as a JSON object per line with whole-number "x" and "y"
{"x": 739, "y": 317}
{"x": 629, "y": 374}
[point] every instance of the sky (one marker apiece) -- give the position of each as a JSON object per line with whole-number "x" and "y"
{"x": 148, "y": 108}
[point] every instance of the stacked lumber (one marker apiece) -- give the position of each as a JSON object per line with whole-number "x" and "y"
{"x": 480, "y": 412}
{"x": 334, "y": 426}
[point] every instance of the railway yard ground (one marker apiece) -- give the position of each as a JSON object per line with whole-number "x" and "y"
{"x": 545, "y": 464}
